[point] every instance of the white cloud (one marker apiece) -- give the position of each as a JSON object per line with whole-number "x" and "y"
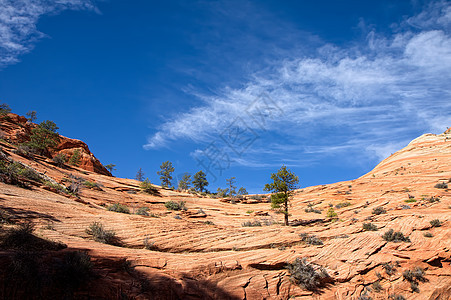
{"x": 18, "y": 19}
{"x": 377, "y": 93}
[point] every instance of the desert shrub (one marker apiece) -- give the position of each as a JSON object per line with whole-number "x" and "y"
{"x": 433, "y": 199}
{"x": 255, "y": 223}
{"x": 428, "y": 234}
{"x": 172, "y": 205}
{"x": 100, "y": 234}
{"x": 117, "y": 207}
{"x": 369, "y": 227}
{"x": 59, "y": 188}
{"x": 304, "y": 274}
{"x": 24, "y": 151}
{"x": 311, "y": 239}
{"x": 331, "y": 213}
{"x": 177, "y": 217}
{"x": 147, "y": 187}
{"x": 91, "y": 184}
{"x": 143, "y": 211}
{"x": 435, "y": 223}
{"x": 410, "y": 200}
{"x": 60, "y": 159}
{"x": 441, "y": 185}
{"x": 148, "y": 244}
{"x": 256, "y": 197}
{"x": 377, "y": 287}
{"x": 4, "y": 109}
{"x": 30, "y": 174}
{"x": 342, "y": 204}
{"x": 209, "y": 223}
{"x": 390, "y": 268}
{"x": 392, "y": 236}
{"x": 313, "y": 210}
{"x": 249, "y": 211}
{"x": 379, "y": 210}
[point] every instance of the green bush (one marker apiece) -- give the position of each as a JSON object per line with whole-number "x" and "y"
{"x": 100, "y": 234}
{"x": 369, "y": 227}
{"x": 60, "y": 159}
{"x": 304, "y": 274}
{"x": 75, "y": 159}
{"x": 172, "y": 205}
{"x": 410, "y": 200}
{"x": 331, "y": 213}
{"x": 392, "y": 236}
{"x": 342, "y": 204}
{"x": 90, "y": 184}
{"x": 143, "y": 211}
{"x": 147, "y": 187}
{"x": 379, "y": 210}
{"x": 436, "y": 223}
{"x": 255, "y": 223}
{"x": 311, "y": 239}
{"x": 117, "y": 207}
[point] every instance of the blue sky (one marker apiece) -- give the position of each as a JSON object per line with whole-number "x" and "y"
{"x": 237, "y": 88}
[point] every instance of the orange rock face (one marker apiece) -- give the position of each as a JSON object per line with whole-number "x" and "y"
{"x": 17, "y": 129}
{"x": 207, "y": 253}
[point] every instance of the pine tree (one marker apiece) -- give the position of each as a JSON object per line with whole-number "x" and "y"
{"x": 43, "y": 137}
{"x": 185, "y": 182}
{"x": 231, "y": 183}
{"x": 140, "y": 175}
{"x": 166, "y": 173}
{"x": 200, "y": 181}
{"x": 283, "y": 185}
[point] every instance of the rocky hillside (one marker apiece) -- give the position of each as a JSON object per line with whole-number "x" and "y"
{"x": 391, "y": 235}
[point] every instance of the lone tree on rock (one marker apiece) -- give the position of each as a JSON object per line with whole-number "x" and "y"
{"x": 232, "y": 188}
{"x": 31, "y": 115}
{"x": 110, "y": 167}
{"x": 140, "y": 175}
{"x": 200, "y": 181}
{"x": 165, "y": 173}
{"x": 282, "y": 187}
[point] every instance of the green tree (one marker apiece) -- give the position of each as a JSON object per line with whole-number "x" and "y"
{"x": 200, "y": 181}
{"x": 283, "y": 185}
{"x": 222, "y": 193}
{"x": 185, "y": 182}
{"x": 31, "y": 115}
{"x": 166, "y": 173}
{"x": 110, "y": 167}
{"x": 75, "y": 159}
{"x": 147, "y": 187}
{"x": 4, "y": 109}
{"x": 140, "y": 175}
{"x": 242, "y": 191}
{"x": 44, "y": 136}
{"x": 231, "y": 183}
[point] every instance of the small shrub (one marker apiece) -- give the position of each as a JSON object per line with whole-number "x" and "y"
{"x": 436, "y": 223}
{"x": 377, "y": 287}
{"x": 209, "y": 223}
{"x": 392, "y": 236}
{"x": 410, "y": 200}
{"x": 148, "y": 244}
{"x": 313, "y": 210}
{"x": 441, "y": 185}
{"x": 311, "y": 239}
{"x": 117, "y": 207}
{"x": 60, "y": 160}
{"x": 91, "y": 184}
{"x": 304, "y": 274}
{"x": 147, "y": 187}
{"x": 100, "y": 234}
{"x": 172, "y": 205}
{"x": 379, "y": 210}
{"x": 59, "y": 188}
{"x": 255, "y": 223}
{"x": 142, "y": 211}
{"x": 342, "y": 204}
{"x": 201, "y": 211}
{"x": 256, "y": 197}
{"x": 369, "y": 227}
{"x": 428, "y": 234}
{"x": 177, "y": 217}
{"x": 390, "y": 268}
{"x": 30, "y": 174}
{"x": 249, "y": 211}
{"x": 433, "y": 199}
{"x": 331, "y": 213}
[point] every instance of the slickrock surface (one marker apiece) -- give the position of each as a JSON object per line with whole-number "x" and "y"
{"x": 220, "y": 259}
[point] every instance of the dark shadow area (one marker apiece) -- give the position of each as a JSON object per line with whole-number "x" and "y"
{"x": 24, "y": 214}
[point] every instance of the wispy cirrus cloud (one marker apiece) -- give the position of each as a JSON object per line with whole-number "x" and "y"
{"x": 376, "y": 92}
{"x": 18, "y": 19}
